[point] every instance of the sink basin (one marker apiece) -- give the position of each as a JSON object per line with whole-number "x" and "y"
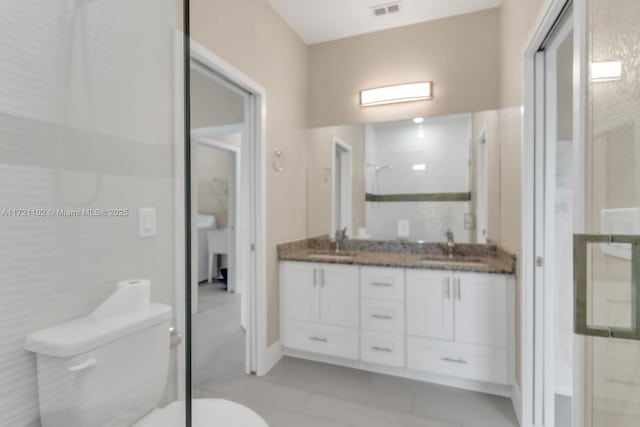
{"x": 445, "y": 261}
{"x": 337, "y": 256}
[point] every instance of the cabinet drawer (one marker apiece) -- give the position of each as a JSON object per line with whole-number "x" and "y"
{"x": 322, "y": 339}
{"x": 475, "y": 362}
{"x": 383, "y": 349}
{"x": 382, "y": 283}
{"x": 383, "y": 316}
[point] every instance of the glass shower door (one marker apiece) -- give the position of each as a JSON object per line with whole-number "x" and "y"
{"x": 91, "y": 195}
{"x": 607, "y": 255}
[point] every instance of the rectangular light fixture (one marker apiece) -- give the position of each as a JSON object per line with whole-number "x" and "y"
{"x": 420, "y": 167}
{"x": 606, "y": 71}
{"x": 398, "y": 93}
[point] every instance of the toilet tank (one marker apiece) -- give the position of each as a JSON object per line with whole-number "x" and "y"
{"x": 105, "y": 370}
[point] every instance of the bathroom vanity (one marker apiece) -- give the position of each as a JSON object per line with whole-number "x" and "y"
{"x": 401, "y": 308}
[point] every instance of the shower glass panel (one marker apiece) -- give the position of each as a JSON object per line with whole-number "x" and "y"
{"x": 92, "y": 195}
{"x": 612, "y": 207}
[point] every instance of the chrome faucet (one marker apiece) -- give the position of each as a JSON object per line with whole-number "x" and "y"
{"x": 451, "y": 245}
{"x": 340, "y": 236}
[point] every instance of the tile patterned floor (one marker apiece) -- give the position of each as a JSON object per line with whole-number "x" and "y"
{"x": 299, "y": 393}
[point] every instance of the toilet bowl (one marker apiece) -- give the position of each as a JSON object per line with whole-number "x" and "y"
{"x": 205, "y": 413}
{"x": 110, "y": 368}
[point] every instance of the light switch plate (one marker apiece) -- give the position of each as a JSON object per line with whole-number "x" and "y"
{"x": 147, "y": 223}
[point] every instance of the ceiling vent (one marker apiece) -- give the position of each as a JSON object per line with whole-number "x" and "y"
{"x": 386, "y": 9}
{"x": 379, "y": 11}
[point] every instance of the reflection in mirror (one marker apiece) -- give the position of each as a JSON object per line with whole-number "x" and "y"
{"x": 411, "y": 179}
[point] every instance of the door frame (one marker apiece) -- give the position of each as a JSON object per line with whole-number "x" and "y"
{"x": 346, "y": 189}
{"x": 482, "y": 186}
{"x": 254, "y": 161}
{"x": 537, "y": 333}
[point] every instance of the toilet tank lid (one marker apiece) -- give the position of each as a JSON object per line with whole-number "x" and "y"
{"x": 88, "y": 333}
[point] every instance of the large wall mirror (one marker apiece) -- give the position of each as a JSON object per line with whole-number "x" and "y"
{"x": 412, "y": 179}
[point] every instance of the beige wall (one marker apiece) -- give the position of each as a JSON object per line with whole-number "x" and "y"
{"x": 517, "y": 18}
{"x": 320, "y": 183}
{"x": 459, "y": 54}
{"x": 249, "y": 35}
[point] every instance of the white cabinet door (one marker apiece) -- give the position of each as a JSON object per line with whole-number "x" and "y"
{"x": 339, "y": 296}
{"x": 300, "y": 291}
{"x": 480, "y": 309}
{"x": 430, "y": 304}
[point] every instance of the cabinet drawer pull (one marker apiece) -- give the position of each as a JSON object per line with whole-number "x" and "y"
{"x": 318, "y": 339}
{"x": 315, "y": 277}
{"x": 322, "y": 277}
{"x": 387, "y": 285}
{"x": 452, "y": 360}
{"x": 458, "y": 290}
{"x": 382, "y": 349}
{"x": 382, "y": 316}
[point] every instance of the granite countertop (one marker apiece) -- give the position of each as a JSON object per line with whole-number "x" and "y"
{"x": 490, "y": 258}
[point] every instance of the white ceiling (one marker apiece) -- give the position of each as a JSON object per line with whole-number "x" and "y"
{"x": 318, "y": 21}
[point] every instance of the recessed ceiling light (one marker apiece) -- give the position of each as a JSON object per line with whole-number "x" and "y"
{"x": 418, "y": 120}
{"x": 420, "y": 167}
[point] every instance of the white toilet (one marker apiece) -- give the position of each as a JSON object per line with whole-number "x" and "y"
{"x": 109, "y": 369}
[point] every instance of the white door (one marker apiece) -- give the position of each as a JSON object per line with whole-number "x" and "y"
{"x": 339, "y": 296}
{"x": 480, "y": 309}
{"x": 607, "y": 250}
{"x": 301, "y": 291}
{"x": 430, "y": 304}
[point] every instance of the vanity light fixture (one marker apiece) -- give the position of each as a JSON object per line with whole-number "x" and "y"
{"x": 420, "y": 167}
{"x": 397, "y": 93}
{"x": 418, "y": 120}
{"x": 606, "y": 71}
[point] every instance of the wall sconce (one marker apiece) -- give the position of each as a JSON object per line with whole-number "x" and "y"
{"x": 399, "y": 93}
{"x": 606, "y": 71}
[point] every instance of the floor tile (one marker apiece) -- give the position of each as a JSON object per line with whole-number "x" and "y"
{"x": 357, "y": 415}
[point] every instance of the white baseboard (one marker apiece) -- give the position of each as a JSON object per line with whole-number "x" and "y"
{"x": 516, "y": 400}
{"x": 271, "y": 357}
{"x": 483, "y": 387}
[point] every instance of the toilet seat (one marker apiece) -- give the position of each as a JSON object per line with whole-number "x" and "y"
{"x": 206, "y": 413}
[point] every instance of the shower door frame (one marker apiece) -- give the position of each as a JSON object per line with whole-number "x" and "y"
{"x": 536, "y": 333}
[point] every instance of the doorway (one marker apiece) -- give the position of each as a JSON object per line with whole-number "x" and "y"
{"x": 342, "y": 183}
{"x": 250, "y": 214}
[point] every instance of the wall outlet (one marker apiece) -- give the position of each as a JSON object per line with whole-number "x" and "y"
{"x": 403, "y": 228}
